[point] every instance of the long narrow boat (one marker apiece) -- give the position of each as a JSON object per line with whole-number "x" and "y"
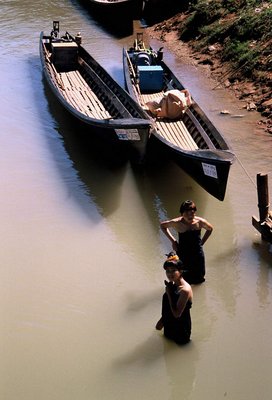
{"x": 116, "y": 16}
{"x": 89, "y": 93}
{"x": 191, "y": 139}
{"x": 115, "y": 6}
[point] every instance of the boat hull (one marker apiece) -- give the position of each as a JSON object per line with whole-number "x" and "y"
{"x": 192, "y": 141}
{"x": 91, "y": 95}
{"x": 211, "y": 174}
{"x": 113, "y": 12}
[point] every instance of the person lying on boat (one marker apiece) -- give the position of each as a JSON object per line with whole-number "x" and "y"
{"x": 172, "y": 105}
{"x": 176, "y": 303}
{"x": 189, "y": 246}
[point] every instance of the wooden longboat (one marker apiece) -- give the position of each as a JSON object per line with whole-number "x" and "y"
{"x": 114, "y": 6}
{"x": 116, "y": 16}
{"x": 89, "y": 93}
{"x": 192, "y": 140}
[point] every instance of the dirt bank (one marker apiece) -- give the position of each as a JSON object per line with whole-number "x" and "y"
{"x": 253, "y": 96}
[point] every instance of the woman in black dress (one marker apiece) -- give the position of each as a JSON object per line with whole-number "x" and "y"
{"x": 176, "y": 303}
{"x": 189, "y": 245}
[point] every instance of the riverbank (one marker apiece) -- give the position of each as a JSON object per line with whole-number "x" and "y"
{"x": 253, "y": 95}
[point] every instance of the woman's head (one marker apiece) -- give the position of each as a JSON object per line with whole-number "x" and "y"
{"x": 187, "y": 205}
{"x": 173, "y": 269}
{"x": 173, "y": 262}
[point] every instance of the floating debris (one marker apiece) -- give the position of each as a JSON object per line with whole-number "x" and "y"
{"x": 251, "y": 106}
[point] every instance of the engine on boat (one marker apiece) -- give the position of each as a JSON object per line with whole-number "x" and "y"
{"x": 143, "y": 58}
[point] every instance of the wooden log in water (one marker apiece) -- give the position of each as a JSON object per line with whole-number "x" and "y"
{"x": 263, "y": 196}
{"x": 264, "y": 224}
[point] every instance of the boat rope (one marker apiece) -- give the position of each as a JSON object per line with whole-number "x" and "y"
{"x": 251, "y": 180}
{"x": 243, "y": 167}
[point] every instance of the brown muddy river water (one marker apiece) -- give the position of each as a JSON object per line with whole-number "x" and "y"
{"x": 81, "y": 254}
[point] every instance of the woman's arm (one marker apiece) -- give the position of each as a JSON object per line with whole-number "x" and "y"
{"x": 159, "y": 325}
{"x": 165, "y": 225}
{"x": 209, "y": 228}
{"x": 181, "y": 303}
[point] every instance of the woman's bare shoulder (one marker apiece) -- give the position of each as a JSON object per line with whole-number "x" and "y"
{"x": 201, "y": 220}
{"x": 173, "y": 221}
{"x": 185, "y": 292}
{"x": 203, "y": 223}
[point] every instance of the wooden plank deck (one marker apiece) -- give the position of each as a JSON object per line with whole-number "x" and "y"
{"x": 174, "y": 131}
{"x": 77, "y": 92}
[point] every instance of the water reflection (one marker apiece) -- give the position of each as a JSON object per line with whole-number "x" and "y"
{"x": 180, "y": 364}
{"x": 263, "y": 283}
{"x": 97, "y": 157}
{"x": 163, "y": 185}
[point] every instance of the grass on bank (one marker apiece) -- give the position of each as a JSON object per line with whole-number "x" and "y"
{"x": 242, "y": 30}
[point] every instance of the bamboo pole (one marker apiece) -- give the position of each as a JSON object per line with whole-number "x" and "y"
{"x": 264, "y": 224}
{"x": 263, "y": 196}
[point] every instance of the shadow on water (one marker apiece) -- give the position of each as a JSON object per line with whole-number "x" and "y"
{"x": 263, "y": 284}
{"x": 98, "y": 157}
{"x": 101, "y": 146}
{"x": 188, "y": 356}
{"x": 264, "y": 250}
{"x": 151, "y": 351}
{"x": 161, "y": 176}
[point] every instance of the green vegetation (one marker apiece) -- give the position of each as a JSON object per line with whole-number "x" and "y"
{"x": 241, "y": 29}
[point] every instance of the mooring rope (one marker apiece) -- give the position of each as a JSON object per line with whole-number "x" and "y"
{"x": 247, "y": 173}
{"x": 243, "y": 167}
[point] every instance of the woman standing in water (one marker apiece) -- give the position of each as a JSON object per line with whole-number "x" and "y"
{"x": 189, "y": 246}
{"x": 176, "y": 303}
